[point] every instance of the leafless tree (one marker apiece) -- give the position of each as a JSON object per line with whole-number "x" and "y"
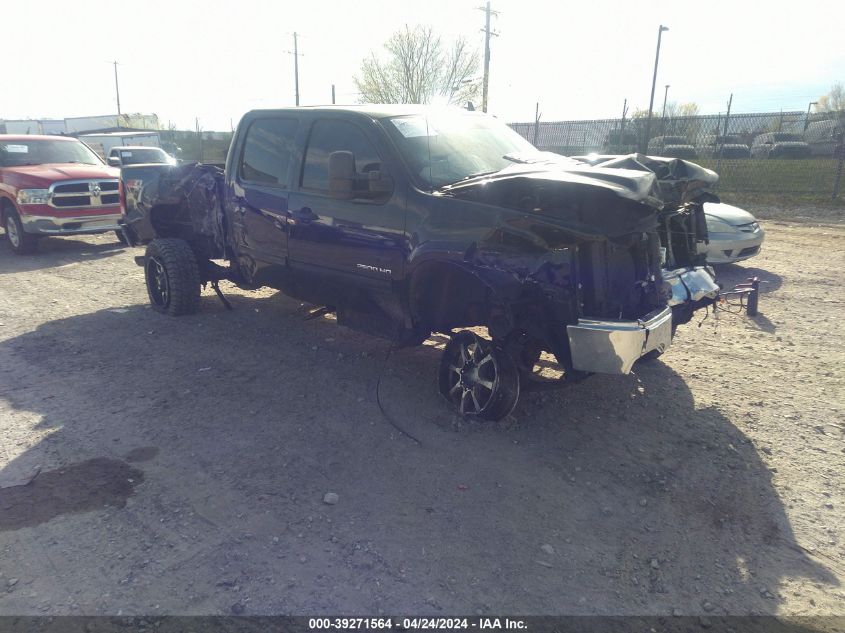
{"x": 833, "y": 101}
{"x": 417, "y": 67}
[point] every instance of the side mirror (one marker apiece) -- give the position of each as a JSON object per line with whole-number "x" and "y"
{"x": 342, "y": 175}
{"x": 113, "y": 161}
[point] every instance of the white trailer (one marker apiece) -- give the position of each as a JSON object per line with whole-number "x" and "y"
{"x": 102, "y": 143}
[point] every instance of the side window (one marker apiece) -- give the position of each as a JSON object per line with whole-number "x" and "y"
{"x": 267, "y": 152}
{"x": 333, "y": 136}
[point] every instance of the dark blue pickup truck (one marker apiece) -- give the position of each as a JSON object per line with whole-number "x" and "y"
{"x": 405, "y": 221}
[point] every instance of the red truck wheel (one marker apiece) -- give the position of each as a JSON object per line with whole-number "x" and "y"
{"x": 172, "y": 276}
{"x": 21, "y": 242}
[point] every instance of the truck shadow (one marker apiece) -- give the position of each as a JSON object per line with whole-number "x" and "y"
{"x": 615, "y": 496}
{"x": 729, "y": 275}
{"x": 55, "y": 251}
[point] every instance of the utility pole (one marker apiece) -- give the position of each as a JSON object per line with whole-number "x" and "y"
{"x": 622, "y": 143}
{"x": 663, "y": 118}
{"x": 199, "y": 136}
{"x": 536, "y": 123}
{"x": 296, "y": 65}
{"x": 487, "y": 34}
{"x": 117, "y": 92}
{"x": 333, "y": 102}
{"x": 296, "y": 57}
{"x": 724, "y": 134}
{"x": 653, "y": 84}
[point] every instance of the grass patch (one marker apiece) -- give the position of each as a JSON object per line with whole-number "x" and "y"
{"x": 812, "y": 176}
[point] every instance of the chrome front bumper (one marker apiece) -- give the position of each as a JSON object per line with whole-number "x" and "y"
{"x": 49, "y": 225}
{"x": 608, "y": 346}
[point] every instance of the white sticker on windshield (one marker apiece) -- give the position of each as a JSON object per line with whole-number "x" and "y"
{"x": 17, "y": 149}
{"x": 414, "y": 126}
{"x": 126, "y": 153}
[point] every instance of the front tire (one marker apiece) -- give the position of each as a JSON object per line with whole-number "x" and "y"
{"x": 479, "y": 379}
{"x": 22, "y": 243}
{"x": 172, "y": 276}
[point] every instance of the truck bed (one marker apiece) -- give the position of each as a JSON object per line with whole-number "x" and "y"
{"x": 183, "y": 201}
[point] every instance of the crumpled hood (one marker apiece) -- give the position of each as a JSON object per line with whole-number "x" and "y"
{"x": 42, "y": 176}
{"x": 628, "y": 184}
{"x": 617, "y": 197}
{"x": 677, "y": 181}
{"x": 728, "y": 213}
{"x": 654, "y": 181}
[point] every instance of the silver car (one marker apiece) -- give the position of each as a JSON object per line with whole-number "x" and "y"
{"x": 734, "y": 233}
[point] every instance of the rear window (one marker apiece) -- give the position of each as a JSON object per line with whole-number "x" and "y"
{"x": 138, "y": 156}
{"x": 268, "y": 149}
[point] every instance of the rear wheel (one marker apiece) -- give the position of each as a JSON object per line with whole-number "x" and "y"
{"x": 478, "y": 378}
{"x": 172, "y": 276}
{"x": 21, "y": 242}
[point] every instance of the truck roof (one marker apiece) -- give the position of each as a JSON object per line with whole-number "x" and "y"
{"x": 373, "y": 110}
{"x": 131, "y": 147}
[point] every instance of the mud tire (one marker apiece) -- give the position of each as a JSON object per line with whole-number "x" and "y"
{"x": 172, "y": 276}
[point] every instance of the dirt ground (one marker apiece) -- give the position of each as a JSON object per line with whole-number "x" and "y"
{"x": 152, "y": 465}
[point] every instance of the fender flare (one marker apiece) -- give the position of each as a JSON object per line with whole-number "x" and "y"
{"x": 502, "y": 287}
{"x": 6, "y": 200}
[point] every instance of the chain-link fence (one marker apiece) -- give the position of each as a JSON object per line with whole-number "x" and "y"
{"x": 768, "y": 152}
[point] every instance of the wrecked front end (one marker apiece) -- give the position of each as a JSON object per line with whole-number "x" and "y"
{"x": 608, "y": 259}
{"x": 175, "y": 201}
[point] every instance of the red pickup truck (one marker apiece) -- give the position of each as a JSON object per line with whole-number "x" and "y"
{"x": 53, "y": 185}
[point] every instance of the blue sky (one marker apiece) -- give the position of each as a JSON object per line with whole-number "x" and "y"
{"x": 215, "y": 60}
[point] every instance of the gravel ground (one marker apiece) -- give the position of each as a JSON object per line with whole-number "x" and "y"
{"x": 152, "y": 465}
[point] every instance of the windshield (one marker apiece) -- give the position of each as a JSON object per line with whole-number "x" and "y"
{"x": 17, "y": 152}
{"x": 445, "y": 148}
{"x": 137, "y": 156}
{"x": 787, "y": 137}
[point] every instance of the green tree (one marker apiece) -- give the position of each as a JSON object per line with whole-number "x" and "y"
{"x": 416, "y": 66}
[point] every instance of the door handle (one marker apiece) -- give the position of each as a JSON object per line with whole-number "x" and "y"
{"x": 303, "y": 216}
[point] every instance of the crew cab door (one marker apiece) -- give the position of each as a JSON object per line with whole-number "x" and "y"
{"x": 258, "y": 198}
{"x": 348, "y": 243}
